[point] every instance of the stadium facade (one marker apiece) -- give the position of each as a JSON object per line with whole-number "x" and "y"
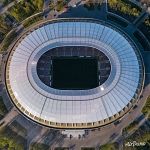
{"x": 68, "y": 108}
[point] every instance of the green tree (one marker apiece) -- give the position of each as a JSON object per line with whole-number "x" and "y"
{"x": 124, "y": 7}
{"x": 10, "y": 144}
{"x": 38, "y": 4}
{"x": 18, "y": 12}
{"x": 25, "y": 8}
{"x": 29, "y": 8}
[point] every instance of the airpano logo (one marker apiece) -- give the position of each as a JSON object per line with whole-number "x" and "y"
{"x": 134, "y": 143}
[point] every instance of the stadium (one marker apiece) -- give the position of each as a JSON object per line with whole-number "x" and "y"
{"x": 74, "y": 73}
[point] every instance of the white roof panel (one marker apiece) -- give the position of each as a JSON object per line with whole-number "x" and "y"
{"x": 74, "y": 106}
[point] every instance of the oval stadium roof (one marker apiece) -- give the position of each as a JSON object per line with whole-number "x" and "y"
{"x": 69, "y": 108}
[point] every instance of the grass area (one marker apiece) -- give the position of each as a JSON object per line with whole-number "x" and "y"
{"x": 32, "y": 20}
{"x": 3, "y": 109}
{"x": 24, "y": 9}
{"x": 146, "y": 108}
{"x": 124, "y": 8}
{"x": 8, "y": 40}
{"x": 38, "y": 146}
{"x": 9, "y": 140}
{"x": 111, "y": 146}
{"x": 142, "y": 135}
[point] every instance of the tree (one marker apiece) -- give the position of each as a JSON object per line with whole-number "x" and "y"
{"x": 38, "y": 4}
{"x": 9, "y": 144}
{"x": 25, "y": 8}
{"x": 18, "y": 11}
{"x": 124, "y": 7}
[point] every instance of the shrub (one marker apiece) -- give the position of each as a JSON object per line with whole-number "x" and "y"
{"x": 24, "y": 9}
{"x": 124, "y": 7}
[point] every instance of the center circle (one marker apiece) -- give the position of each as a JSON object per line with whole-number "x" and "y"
{"x": 73, "y": 68}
